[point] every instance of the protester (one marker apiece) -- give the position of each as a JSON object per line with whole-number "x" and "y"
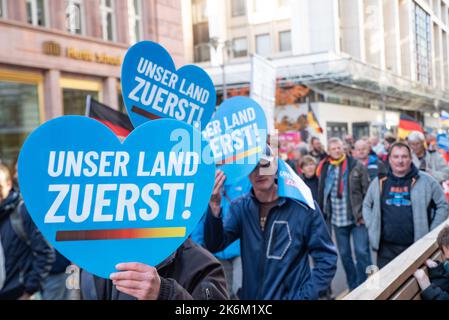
{"x": 343, "y": 182}
{"x": 389, "y": 139}
{"x": 376, "y": 146}
{"x": 189, "y": 273}
{"x": 369, "y": 159}
{"x": 402, "y": 207}
{"x": 277, "y": 237}
{"x": 230, "y": 256}
{"x": 431, "y": 162}
{"x": 437, "y": 287}
{"x": 25, "y": 256}
{"x": 317, "y": 150}
{"x": 308, "y": 168}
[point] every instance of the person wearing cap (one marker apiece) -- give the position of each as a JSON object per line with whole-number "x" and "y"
{"x": 429, "y": 161}
{"x": 277, "y": 236}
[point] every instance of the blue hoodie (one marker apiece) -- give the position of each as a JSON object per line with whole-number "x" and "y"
{"x": 275, "y": 261}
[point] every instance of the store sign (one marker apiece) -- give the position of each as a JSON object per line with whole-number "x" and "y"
{"x": 54, "y": 49}
{"x": 101, "y": 202}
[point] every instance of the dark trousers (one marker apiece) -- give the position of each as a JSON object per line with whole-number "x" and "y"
{"x": 388, "y": 252}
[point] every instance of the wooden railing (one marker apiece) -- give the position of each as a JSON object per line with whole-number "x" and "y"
{"x": 395, "y": 281}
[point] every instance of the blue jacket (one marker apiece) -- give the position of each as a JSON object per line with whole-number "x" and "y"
{"x": 232, "y": 192}
{"x": 276, "y": 261}
{"x": 26, "y": 265}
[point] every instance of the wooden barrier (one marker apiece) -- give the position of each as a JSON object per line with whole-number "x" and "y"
{"x": 395, "y": 281}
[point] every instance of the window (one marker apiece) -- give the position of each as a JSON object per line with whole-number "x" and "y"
{"x": 75, "y": 100}
{"x": 3, "y": 8}
{"x": 259, "y": 5}
{"x": 75, "y": 16}
{"x": 238, "y": 8}
{"x": 135, "y": 21}
{"x": 36, "y": 12}
{"x": 19, "y": 115}
{"x": 285, "y": 41}
{"x": 107, "y": 11}
{"x": 240, "y": 47}
{"x": 263, "y": 44}
{"x": 283, "y": 3}
{"x": 337, "y": 129}
{"x": 422, "y": 45}
{"x": 201, "y": 49}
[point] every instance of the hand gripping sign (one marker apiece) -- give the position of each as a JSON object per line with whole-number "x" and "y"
{"x": 237, "y": 135}
{"x": 100, "y": 202}
{"x": 153, "y": 88}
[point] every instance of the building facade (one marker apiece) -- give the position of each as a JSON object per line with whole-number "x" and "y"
{"x": 364, "y": 61}
{"x": 53, "y": 53}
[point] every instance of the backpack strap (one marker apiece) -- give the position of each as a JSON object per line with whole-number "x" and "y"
{"x": 18, "y": 225}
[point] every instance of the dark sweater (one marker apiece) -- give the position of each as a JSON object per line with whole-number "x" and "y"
{"x": 397, "y": 214}
{"x": 312, "y": 183}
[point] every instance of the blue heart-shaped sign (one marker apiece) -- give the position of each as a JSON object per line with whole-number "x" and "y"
{"x": 237, "y": 135}
{"x": 100, "y": 202}
{"x": 153, "y": 88}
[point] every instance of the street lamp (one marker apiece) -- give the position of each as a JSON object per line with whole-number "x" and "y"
{"x": 226, "y": 47}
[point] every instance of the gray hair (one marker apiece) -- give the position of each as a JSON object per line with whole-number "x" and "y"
{"x": 334, "y": 140}
{"x": 415, "y": 136}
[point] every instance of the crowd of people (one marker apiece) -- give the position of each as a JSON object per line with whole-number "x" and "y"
{"x": 373, "y": 200}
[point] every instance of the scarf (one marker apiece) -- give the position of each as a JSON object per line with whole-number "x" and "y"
{"x": 343, "y": 164}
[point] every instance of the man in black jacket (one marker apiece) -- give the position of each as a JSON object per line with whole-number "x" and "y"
{"x": 191, "y": 273}
{"x": 26, "y": 257}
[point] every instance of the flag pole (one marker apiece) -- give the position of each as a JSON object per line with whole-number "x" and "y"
{"x": 88, "y": 102}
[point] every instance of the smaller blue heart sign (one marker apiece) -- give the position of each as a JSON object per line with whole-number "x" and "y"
{"x": 100, "y": 202}
{"x": 443, "y": 141}
{"x": 237, "y": 135}
{"x": 291, "y": 186}
{"x": 153, "y": 88}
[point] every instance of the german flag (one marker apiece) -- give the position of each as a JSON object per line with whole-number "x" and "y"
{"x": 408, "y": 124}
{"x": 115, "y": 120}
{"x": 312, "y": 121}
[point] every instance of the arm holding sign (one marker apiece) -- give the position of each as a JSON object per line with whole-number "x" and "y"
{"x": 191, "y": 273}
{"x": 216, "y": 236}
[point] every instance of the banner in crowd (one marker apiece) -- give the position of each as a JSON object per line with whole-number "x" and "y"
{"x": 291, "y": 186}
{"x": 443, "y": 141}
{"x": 237, "y": 135}
{"x": 153, "y": 88}
{"x": 100, "y": 202}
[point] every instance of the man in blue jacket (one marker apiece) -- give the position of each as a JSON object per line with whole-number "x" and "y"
{"x": 25, "y": 256}
{"x": 277, "y": 235}
{"x": 230, "y": 256}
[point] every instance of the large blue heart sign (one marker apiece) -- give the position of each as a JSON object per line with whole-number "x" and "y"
{"x": 101, "y": 202}
{"x": 153, "y": 88}
{"x": 237, "y": 134}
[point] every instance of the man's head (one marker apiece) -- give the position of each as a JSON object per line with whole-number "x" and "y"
{"x": 443, "y": 241}
{"x": 316, "y": 144}
{"x": 361, "y": 149}
{"x": 263, "y": 176}
{"x": 335, "y": 148}
{"x": 349, "y": 139}
{"x": 417, "y": 142}
{"x": 5, "y": 182}
{"x": 389, "y": 139}
{"x": 308, "y": 166}
{"x": 374, "y": 140}
{"x": 400, "y": 158}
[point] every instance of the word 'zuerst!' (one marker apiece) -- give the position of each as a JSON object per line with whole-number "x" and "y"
{"x": 175, "y": 104}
